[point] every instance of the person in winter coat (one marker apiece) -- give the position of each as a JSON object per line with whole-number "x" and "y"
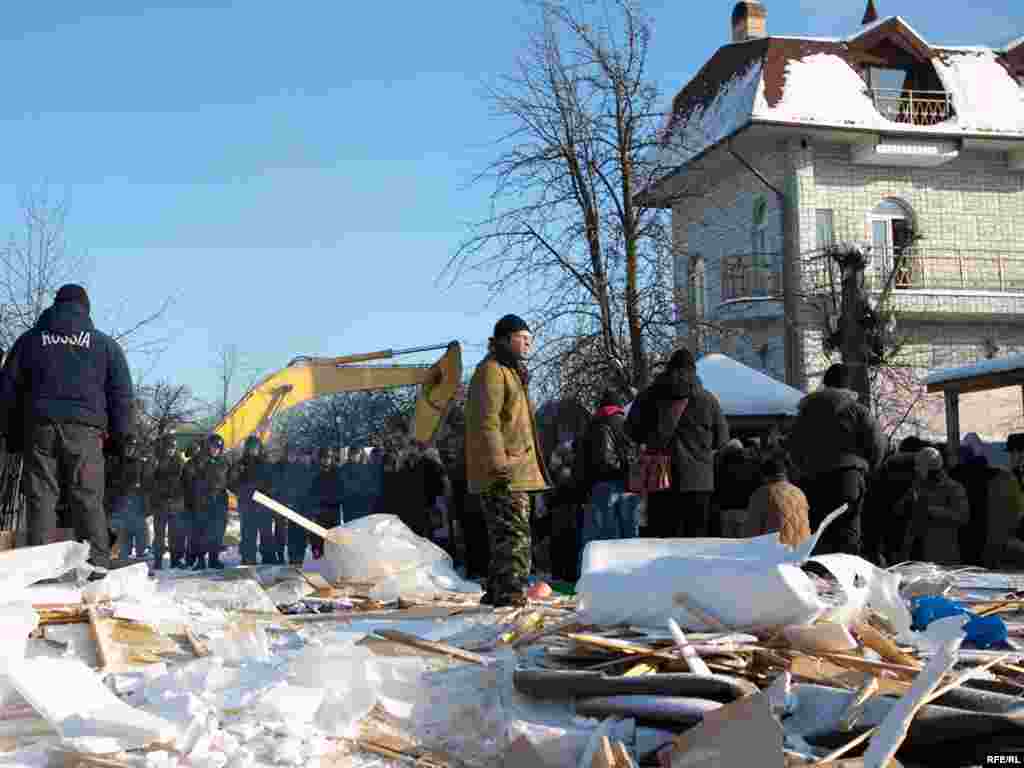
{"x": 835, "y": 443}
{"x": 613, "y": 512}
{"x": 129, "y": 486}
{"x": 737, "y": 476}
{"x": 504, "y": 462}
{"x": 253, "y": 473}
{"x": 936, "y": 508}
{"x": 883, "y": 531}
{"x": 64, "y": 384}
{"x": 166, "y": 501}
{"x": 676, "y": 414}
{"x": 995, "y": 503}
{"x": 291, "y": 480}
{"x": 209, "y": 493}
{"x": 778, "y": 505}
{"x": 325, "y": 496}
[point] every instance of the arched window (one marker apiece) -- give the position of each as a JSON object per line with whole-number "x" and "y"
{"x": 892, "y": 238}
{"x": 697, "y": 286}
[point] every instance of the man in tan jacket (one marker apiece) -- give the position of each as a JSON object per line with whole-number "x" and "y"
{"x": 504, "y": 462}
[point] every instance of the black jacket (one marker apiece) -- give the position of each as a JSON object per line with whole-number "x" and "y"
{"x": 326, "y": 490}
{"x": 739, "y": 475}
{"x": 606, "y": 451}
{"x": 700, "y": 432}
{"x": 833, "y": 431}
{"x": 63, "y": 370}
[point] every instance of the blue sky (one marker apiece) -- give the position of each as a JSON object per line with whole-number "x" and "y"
{"x": 295, "y": 175}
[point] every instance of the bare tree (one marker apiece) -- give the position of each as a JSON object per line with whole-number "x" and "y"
{"x": 229, "y": 370}
{"x": 378, "y": 418}
{"x": 163, "y": 407}
{"x": 37, "y": 260}
{"x": 568, "y": 226}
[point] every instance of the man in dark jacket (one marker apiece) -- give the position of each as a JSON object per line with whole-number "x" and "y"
{"x": 325, "y": 495}
{"x": 129, "y": 485}
{"x": 252, "y": 473}
{"x": 63, "y": 385}
{"x": 835, "y": 444}
{"x": 291, "y": 483}
{"x": 166, "y": 502}
{"x": 603, "y": 458}
{"x": 678, "y": 415}
{"x": 210, "y": 494}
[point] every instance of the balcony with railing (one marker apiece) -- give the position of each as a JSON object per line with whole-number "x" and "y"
{"x": 751, "y": 276}
{"x": 956, "y": 270}
{"x": 912, "y": 107}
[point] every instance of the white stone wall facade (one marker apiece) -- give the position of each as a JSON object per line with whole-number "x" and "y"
{"x": 974, "y": 204}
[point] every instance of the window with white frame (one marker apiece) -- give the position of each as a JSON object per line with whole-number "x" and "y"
{"x": 892, "y": 237}
{"x": 697, "y": 286}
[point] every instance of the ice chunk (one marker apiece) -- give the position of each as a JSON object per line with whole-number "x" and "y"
{"x": 74, "y": 700}
{"x": 351, "y": 689}
{"x": 132, "y": 581}
{"x": 243, "y": 641}
{"x": 292, "y": 703}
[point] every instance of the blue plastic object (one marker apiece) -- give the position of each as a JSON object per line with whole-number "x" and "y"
{"x": 986, "y": 632}
{"x": 979, "y": 632}
{"x": 925, "y": 610}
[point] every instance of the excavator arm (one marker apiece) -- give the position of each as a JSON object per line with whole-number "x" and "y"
{"x": 307, "y": 378}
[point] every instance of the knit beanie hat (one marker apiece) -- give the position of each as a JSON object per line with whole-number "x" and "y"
{"x": 682, "y": 359}
{"x": 73, "y": 293}
{"x": 508, "y": 325}
{"x": 838, "y": 376}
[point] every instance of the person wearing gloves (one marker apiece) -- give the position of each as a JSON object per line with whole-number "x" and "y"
{"x": 936, "y": 509}
{"x": 504, "y": 462}
{"x": 64, "y": 384}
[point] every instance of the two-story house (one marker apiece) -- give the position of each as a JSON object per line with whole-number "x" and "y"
{"x": 781, "y": 146}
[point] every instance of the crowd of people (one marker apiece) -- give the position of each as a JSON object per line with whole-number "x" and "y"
{"x": 656, "y": 463}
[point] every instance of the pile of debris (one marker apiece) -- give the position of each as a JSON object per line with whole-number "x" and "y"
{"x": 706, "y": 652}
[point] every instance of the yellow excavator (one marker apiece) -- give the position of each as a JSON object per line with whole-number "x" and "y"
{"x": 306, "y": 378}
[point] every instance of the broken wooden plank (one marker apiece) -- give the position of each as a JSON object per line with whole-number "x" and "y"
{"x": 430, "y": 645}
{"x": 622, "y": 757}
{"x": 604, "y": 757}
{"x": 884, "y": 646}
{"x": 811, "y": 669}
{"x": 104, "y": 648}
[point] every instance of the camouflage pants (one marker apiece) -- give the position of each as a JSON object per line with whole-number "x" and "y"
{"x": 507, "y": 514}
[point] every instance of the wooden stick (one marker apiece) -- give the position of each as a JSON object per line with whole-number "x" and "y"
{"x": 104, "y": 651}
{"x": 685, "y": 599}
{"x": 429, "y": 645}
{"x": 884, "y": 646}
{"x": 339, "y": 537}
{"x": 531, "y": 637}
{"x": 198, "y": 648}
{"x": 957, "y": 681}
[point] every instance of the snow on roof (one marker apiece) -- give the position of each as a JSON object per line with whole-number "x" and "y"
{"x": 868, "y": 28}
{"x": 822, "y": 88}
{"x": 980, "y": 368}
{"x": 743, "y": 391}
{"x": 706, "y": 125}
{"x": 985, "y": 97}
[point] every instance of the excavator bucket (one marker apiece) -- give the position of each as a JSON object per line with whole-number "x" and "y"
{"x": 443, "y": 380}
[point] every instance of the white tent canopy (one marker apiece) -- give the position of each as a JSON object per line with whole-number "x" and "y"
{"x": 743, "y": 391}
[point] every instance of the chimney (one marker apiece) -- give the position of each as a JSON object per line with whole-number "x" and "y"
{"x": 871, "y": 14}
{"x": 749, "y": 21}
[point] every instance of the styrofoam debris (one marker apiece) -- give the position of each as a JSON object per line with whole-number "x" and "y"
{"x": 380, "y": 547}
{"x": 26, "y": 565}
{"x": 826, "y": 637}
{"x": 74, "y": 700}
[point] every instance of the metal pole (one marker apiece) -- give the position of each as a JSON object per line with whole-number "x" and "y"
{"x": 413, "y": 350}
